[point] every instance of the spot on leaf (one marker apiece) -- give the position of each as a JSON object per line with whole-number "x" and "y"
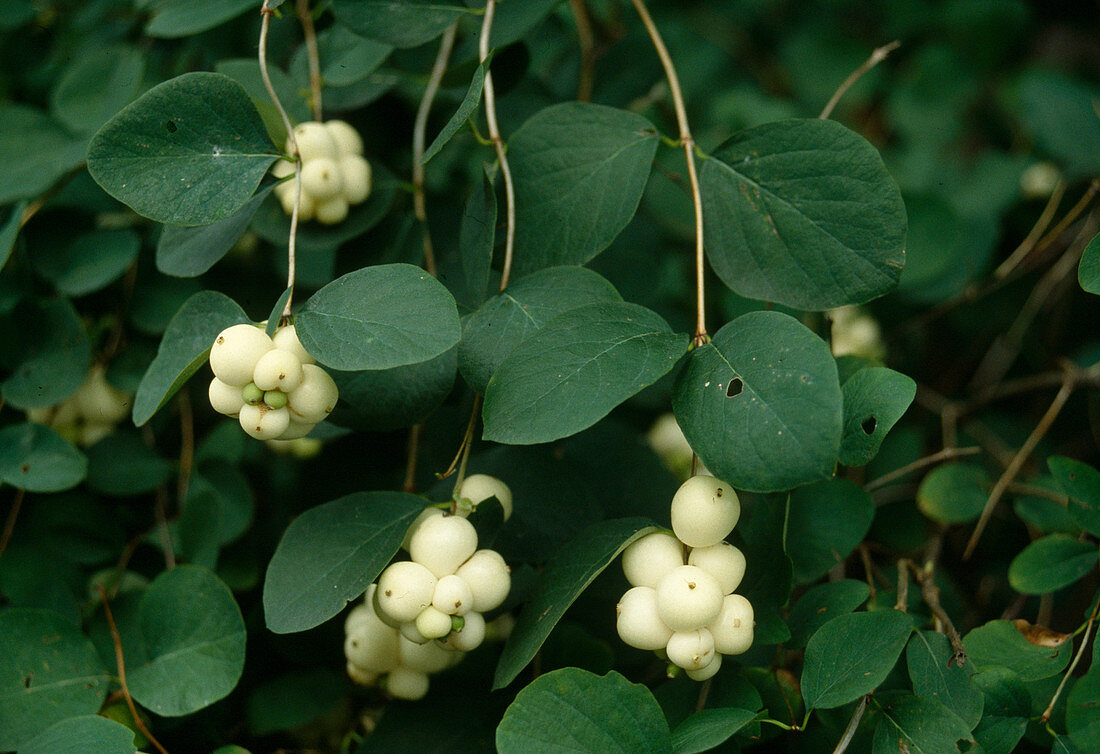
{"x": 172, "y": 127}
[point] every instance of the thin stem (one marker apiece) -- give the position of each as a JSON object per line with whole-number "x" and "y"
{"x": 931, "y": 595}
{"x": 412, "y": 449}
{"x": 853, "y": 725}
{"x": 187, "y": 445}
{"x": 265, "y": 22}
{"x": 1073, "y": 665}
{"x": 1031, "y": 240}
{"x": 419, "y": 129}
{"x": 868, "y": 569}
{"x": 467, "y": 440}
{"x": 902, "y": 603}
{"x": 688, "y": 144}
{"x": 310, "y": 34}
{"x": 587, "y": 40}
{"x": 498, "y": 143}
{"x": 704, "y": 691}
{"x": 1018, "y": 460}
{"x": 946, "y": 454}
{"x": 117, "y": 640}
{"x": 877, "y": 56}
{"x": 13, "y": 514}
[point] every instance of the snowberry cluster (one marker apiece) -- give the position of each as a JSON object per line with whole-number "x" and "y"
{"x": 272, "y": 385}
{"x": 682, "y": 601}
{"x": 334, "y": 173}
{"x": 425, "y": 612}
{"x": 90, "y": 413}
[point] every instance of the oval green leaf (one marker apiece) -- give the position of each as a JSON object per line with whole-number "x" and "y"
{"x": 190, "y": 151}
{"x": 90, "y": 262}
{"x": 935, "y": 676}
{"x": 825, "y": 522}
{"x": 1000, "y": 644}
{"x": 1081, "y": 483}
{"x": 953, "y": 493}
{"x": 35, "y": 458}
{"x": 387, "y": 399}
{"x": 1088, "y": 271}
{"x": 803, "y": 213}
{"x": 919, "y": 725}
{"x": 1051, "y": 563}
{"x": 575, "y": 369}
{"x": 874, "y": 399}
{"x": 765, "y": 371}
{"x": 189, "y": 251}
{"x": 98, "y": 82}
{"x": 52, "y": 354}
{"x": 35, "y": 150}
{"x": 405, "y": 23}
{"x": 330, "y": 554}
{"x": 79, "y": 735}
{"x": 458, "y": 120}
{"x": 822, "y": 603}
{"x": 182, "y": 18}
{"x": 709, "y": 728}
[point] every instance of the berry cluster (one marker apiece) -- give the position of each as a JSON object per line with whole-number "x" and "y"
{"x": 272, "y": 385}
{"x": 89, "y": 414}
{"x": 334, "y": 173}
{"x": 681, "y": 602}
{"x": 425, "y": 612}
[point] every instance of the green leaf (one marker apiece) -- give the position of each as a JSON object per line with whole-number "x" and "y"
{"x": 404, "y": 23}
{"x": 122, "y": 464}
{"x": 1081, "y": 483}
{"x": 458, "y": 120}
{"x": 387, "y": 399}
{"x": 182, "y": 18}
{"x": 330, "y": 554}
{"x": 851, "y": 655}
{"x": 822, "y": 603}
{"x": 509, "y": 318}
{"x": 346, "y": 58}
{"x": 1007, "y": 708}
{"x": 1051, "y": 563}
{"x": 35, "y": 151}
{"x": 89, "y": 262}
{"x": 827, "y": 520}
{"x": 929, "y": 658}
{"x": 765, "y": 371}
{"x": 1088, "y": 271}
{"x": 53, "y": 354}
{"x": 573, "y": 710}
{"x": 580, "y": 170}
{"x": 246, "y": 72}
{"x": 79, "y": 735}
{"x": 953, "y": 493}
{"x": 709, "y": 728}
{"x": 96, "y": 85}
{"x": 1057, "y": 110}
{"x": 477, "y": 235}
{"x": 565, "y": 576}
{"x": 190, "y": 151}
{"x": 379, "y": 317}
{"x": 998, "y": 643}
{"x": 803, "y": 213}
{"x": 184, "y": 349}
{"x": 919, "y": 725}
{"x": 10, "y": 231}
{"x": 575, "y": 369}
{"x": 1083, "y": 712}
{"x": 874, "y": 399}
{"x": 294, "y": 699}
{"x": 49, "y": 671}
{"x": 768, "y": 569}
{"x": 189, "y": 251}
{"x": 35, "y": 458}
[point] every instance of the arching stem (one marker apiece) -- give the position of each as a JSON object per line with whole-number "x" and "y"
{"x": 498, "y": 144}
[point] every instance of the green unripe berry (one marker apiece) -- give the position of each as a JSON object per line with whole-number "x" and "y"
{"x": 275, "y": 398}
{"x": 252, "y": 395}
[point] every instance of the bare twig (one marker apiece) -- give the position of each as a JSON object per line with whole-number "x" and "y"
{"x": 946, "y": 454}
{"x": 688, "y": 143}
{"x": 117, "y": 640}
{"x": 1072, "y": 666}
{"x": 853, "y": 725}
{"x": 877, "y": 56}
{"x": 1032, "y": 238}
{"x": 587, "y": 40}
{"x": 701, "y": 700}
{"x": 931, "y": 594}
{"x": 413, "y": 450}
{"x": 13, "y": 514}
{"x": 902, "y": 603}
{"x": 187, "y": 445}
{"x": 498, "y": 144}
{"x": 868, "y": 568}
{"x": 464, "y": 447}
{"x": 310, "y": 34}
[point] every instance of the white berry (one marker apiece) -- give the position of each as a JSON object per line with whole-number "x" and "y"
{"x": 404, "y": 589}
{"x": 321, "y": 178}
{"x": 706, "y": 672}
{"x": 704, "y": 511}
{"x": 373, "y": 648}
{"x": 360, "y": 676}
{"x": 688, "y": 598}
{"x": 471, "y": 635}
{"x": 637, "y": 621}
{"x": 432, "y": 623}
{"x": 426, "y": 658}
{"x": 278, "y": 370}
{"x": 478, "y": 488}
{"x": 723, "y": 561}
{"x": 404, "y": 683}
{"x": 691, "y": 650}
{"x": 345, "y": 136}
{"x": 651, "y": 557}
{"x": 281, "y": 169}
{"x": 235, "y": 352}
{"x": 306, "y": 207}
{"x": 314, "y": 141}
{"x": 315, "y": 396}
{"x": 443, "y": 543}
{"x": 411, "y": 632}
{"x": 489, "y": 578}
{"x": 453, "y": 596}
{"x": 297, "y": 430}
{"x": 286, "y": 339}
{"x": 99, "y": 401}
{"x": 733, "y": 626}
{"x": 225, "y": 399}
{"x": 357, "y": 178}
{"x": 264, "y": 423}
{"x": 421, "y": 518}
{"x": 332, "y": 210}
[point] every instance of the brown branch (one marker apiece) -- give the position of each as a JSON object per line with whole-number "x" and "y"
{"x": 187, "y": 445}
{"x": 902, "y": 603}
{"x": 467, "y": 441}
{"x": 1031, "y": 240}
{"x": 412, "y": 449}
{"x": 13, "y": 514}
{"x": 931, "y": 594}
{"x": 868, "y": 568}
{"x": 587, "y": 40}
{"x": 946, "y": 454}
{"x": 877, "y": 56}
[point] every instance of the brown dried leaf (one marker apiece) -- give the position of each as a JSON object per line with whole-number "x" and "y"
{"x": 1040, "y": 636}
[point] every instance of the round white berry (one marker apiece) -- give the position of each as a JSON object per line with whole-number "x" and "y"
{"x": 345, "y": 136}
{"x": 733, "y": 626}
{"x": 723, "y": 561}
{"x": 281, "y": 169}
{"x": 360, "y": 676}
{"x": 99, "y": 401}
{"x": 471, "y": 635}
{"x": 315, "y": 396}
{"x": 423, "y": 516}
{"x": 306, "y": 207}
{"x": 373, "y": 647}
{"x": 297, "y": 430}
{"x": 357, "y": 178}
{"x": 704, "y": 511}
{"x": 480, "y": 487}
{"x": 691, "y": 650}
{"x": 432, "y": 623}
{"x": 235, "y": 352}
{"x": 427, "y": 658}
{"x": 321, "y": 179}
{"x": 688, "y": 598}
{"x": 286, "y": 339}
{"x": 332, "y": 210}
{"x": 225, "y": 399}
{"x": 278, "y": 370}
{"x": 404, "y": 589}
{"x": 637, "y": 621}
{"x": 443, "y": 543}
{"x": 706, "y": 672}
{"x": 489, "y": 578}
{"x": 651, "y": 557}
{"x": 264, "y": 423}
{"x": 314, "y": 141}
{"x": 412, "y": 633}
{"x": 404, "y": 683}
{"x": 453, "y": 596}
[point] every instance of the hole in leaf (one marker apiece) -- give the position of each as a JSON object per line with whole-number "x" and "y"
{"x": 735, "y": 387}
{"x": 172, "y": 127}
{"x": 868, "y": 425}
{"x": 25, "y": 468}
{"x": 27, "y": 680}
